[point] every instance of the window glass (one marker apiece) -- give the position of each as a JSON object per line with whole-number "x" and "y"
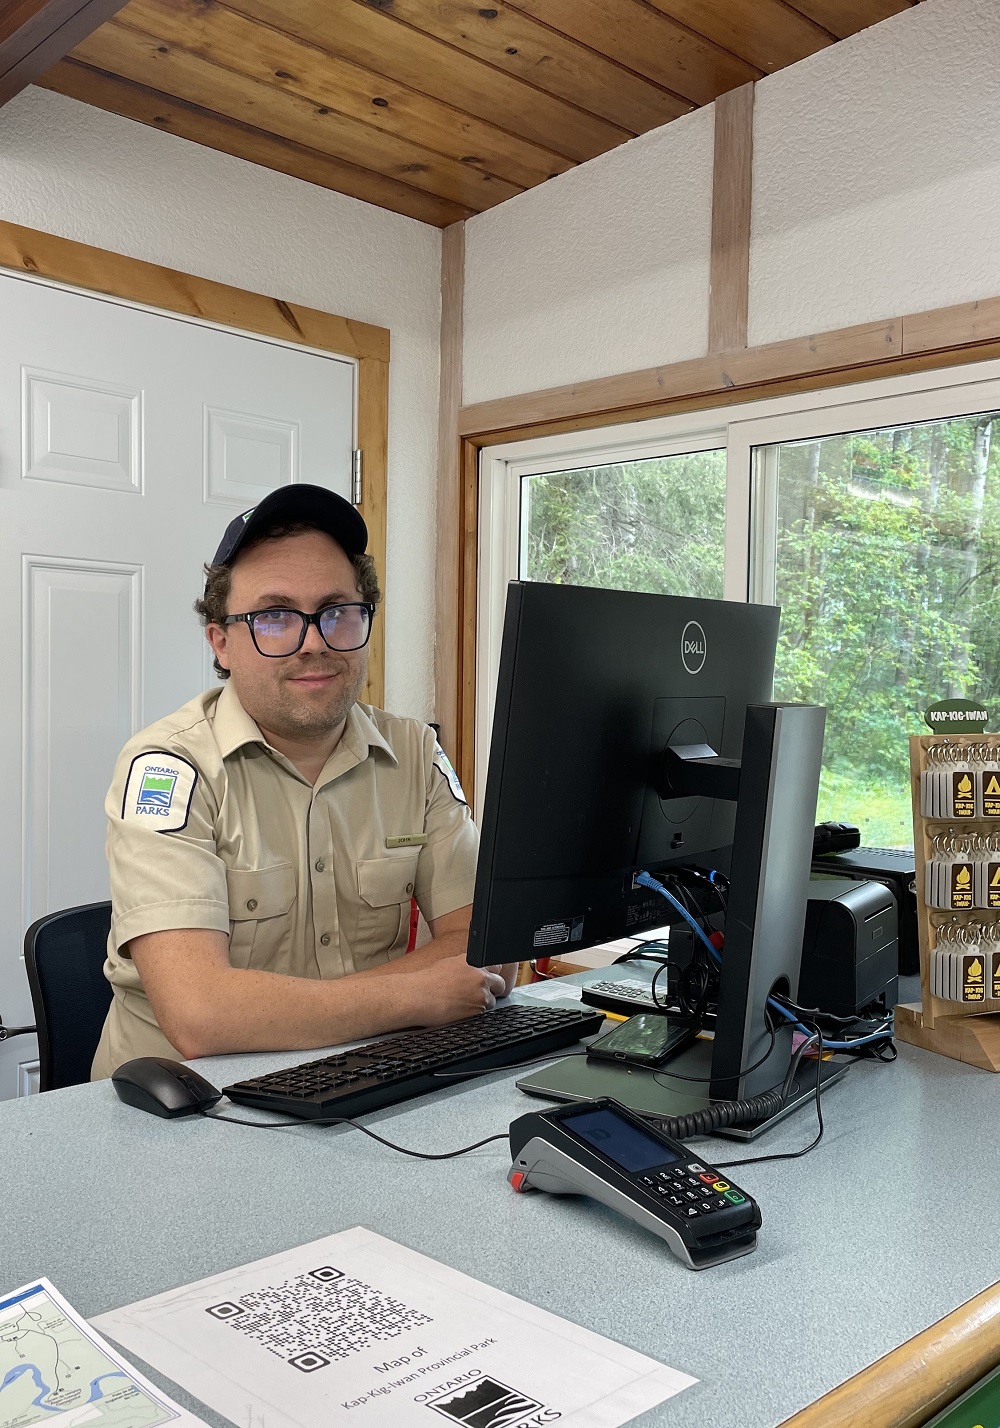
{"x": 655, "y": 525}
{"x": 887, "y": 546}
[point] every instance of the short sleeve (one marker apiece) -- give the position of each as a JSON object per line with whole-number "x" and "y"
{"x": 446, "y": 868}
{"x": 165, "y": 871}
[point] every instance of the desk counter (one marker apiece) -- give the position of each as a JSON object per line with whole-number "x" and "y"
{"x": 885, "y": 1227}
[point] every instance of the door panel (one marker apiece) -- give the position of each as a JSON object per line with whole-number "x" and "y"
{"x": 128, "y": 440}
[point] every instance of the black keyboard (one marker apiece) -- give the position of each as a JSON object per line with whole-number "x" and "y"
{"x": 380, "y": 1073}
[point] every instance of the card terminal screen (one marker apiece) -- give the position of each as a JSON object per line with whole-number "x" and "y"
{"x": 625, "y": 1144}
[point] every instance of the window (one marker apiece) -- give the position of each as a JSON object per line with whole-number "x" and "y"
{"x": 871, "y": 514}
{"x": 885, "y": 567}
{"x": 654, "y": 525}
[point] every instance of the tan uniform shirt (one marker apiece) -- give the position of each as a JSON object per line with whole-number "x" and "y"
{"x": 209, "y": 826}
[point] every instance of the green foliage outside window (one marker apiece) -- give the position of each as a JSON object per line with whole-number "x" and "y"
{"x": 653, "y": 525}
{"x": 888, "y": 546}
{"x": 888, "y": 553}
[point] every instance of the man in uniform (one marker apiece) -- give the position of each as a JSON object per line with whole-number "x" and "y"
{"x": 265, "y": 840}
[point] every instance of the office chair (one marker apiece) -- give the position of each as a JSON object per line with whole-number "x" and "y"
{"x": 64, "y": 957}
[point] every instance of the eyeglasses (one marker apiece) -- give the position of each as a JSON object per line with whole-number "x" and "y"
{"x": 277, "y": 633}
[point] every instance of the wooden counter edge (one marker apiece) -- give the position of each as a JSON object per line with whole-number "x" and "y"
{"x": 911, "y": 1384}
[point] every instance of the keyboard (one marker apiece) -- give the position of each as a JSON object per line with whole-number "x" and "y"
{"x": 627, "y": 998}
{"x": 380, "y": 1073}
{"x": 631, "y": 998}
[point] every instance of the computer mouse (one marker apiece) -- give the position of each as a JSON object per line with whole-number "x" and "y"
{"x": 163, "y": 1087}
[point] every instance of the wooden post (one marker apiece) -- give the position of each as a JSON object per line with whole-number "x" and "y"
{"x": 448, "y": 576}
{"x": 732, "y": 189}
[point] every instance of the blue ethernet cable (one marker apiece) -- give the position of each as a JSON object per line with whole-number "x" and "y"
{"x": 647, "y": 880}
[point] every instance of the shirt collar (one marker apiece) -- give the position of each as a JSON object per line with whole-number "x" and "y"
{"x": 362, "y": 735}
{"x": 234, "y": 728}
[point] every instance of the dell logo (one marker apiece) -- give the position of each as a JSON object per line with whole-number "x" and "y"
{"x": 694, "y": 646}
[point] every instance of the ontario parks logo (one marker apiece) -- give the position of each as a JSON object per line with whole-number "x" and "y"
{"x": 488, "y": 1403}
{"x": 156, "y": 792}
{"x": 694, "y": 646}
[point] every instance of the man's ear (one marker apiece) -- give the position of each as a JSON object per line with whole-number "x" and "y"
{"x": 216, "y": 636}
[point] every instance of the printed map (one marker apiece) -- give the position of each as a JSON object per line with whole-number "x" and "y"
{"x": 52, "y": 1371}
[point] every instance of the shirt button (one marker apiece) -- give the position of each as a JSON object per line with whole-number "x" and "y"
{"x": 409, "y": 887}
{"x": 252, "y": 905}
{"x": 325, "y": 939}
{"x": 319, "y": 865}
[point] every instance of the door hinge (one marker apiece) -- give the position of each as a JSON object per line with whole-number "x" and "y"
{"x": 356, "y": 496}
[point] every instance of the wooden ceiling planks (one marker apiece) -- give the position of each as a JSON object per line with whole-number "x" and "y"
{"x": 366, "y": 36}
{"x": 511, "y": 40}
{"x": 766, "y": 33}
{"x": 262, "y": 53}
{"x": 133, "y": 54}
{"x": 436, "y": 109}
{"x": 846, "y": 17}
{"x": 244, "y": 141}
{"x": 649, "y": 42}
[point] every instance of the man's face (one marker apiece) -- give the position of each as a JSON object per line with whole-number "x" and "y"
{"x": 304, "y": 696}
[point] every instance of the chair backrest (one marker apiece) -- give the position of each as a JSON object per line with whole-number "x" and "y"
{"x": 64, "y": 956}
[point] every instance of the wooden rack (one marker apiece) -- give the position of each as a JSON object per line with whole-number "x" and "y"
{"x": 968, "y": 1033}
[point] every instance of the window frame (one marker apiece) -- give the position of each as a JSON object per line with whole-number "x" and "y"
{"x": 746, "y": 431}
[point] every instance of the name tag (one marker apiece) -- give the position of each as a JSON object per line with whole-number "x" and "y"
{"x": 407, "y": 840}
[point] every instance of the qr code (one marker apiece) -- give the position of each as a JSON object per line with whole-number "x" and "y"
{"x": 316, "y": 1318}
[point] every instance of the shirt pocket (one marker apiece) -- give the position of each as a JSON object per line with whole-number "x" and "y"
{"x": 260, "y": 900}
{"x": 385, "y": 887}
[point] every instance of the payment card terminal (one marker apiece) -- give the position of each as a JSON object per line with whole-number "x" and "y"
{"x": 602, "y": 1149}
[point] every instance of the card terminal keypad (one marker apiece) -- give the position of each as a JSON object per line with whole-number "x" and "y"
{"x": 692, "y": 1189}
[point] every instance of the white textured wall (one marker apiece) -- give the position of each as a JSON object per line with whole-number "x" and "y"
{"x": 876, "y": 193}
{"x": 78, "y": 172}
{"x": 601, "y": 270}
{"x": 877, "y": 174}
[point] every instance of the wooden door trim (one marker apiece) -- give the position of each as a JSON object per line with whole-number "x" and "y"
{"x": 97, "y": 270}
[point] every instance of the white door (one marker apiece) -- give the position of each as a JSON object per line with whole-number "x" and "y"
{"x": 128, "y": 440}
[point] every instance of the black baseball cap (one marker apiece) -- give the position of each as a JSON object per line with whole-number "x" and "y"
{"x": 289, "y": 504}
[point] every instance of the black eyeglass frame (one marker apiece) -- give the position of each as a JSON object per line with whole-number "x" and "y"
{"x": 250, "y": 615}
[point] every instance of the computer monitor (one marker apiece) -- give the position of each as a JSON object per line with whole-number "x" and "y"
{"x": 608, "y": 703}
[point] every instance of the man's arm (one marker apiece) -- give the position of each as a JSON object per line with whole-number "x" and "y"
{"x": 205, "y": 1007}
{"x": 450, "y": 934}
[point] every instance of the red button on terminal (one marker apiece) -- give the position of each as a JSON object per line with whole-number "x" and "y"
{"x": 517, "y": 1179}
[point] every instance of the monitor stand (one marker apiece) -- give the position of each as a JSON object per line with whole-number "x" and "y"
{"x": 657, "y": 1093}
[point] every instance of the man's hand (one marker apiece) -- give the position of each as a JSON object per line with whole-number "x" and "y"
{"x": 450, "y": 934}
{"x": 450, "y": 989}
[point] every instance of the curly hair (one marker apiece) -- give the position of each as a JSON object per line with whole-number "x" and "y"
{"x": 213, "y": 606}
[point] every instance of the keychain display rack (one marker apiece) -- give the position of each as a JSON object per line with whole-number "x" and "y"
{"x": 955, "y": 784}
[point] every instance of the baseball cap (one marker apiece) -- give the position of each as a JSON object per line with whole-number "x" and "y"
{"x": 289, "y": 504}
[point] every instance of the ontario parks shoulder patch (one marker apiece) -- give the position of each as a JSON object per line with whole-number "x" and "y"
{"x": 444, "y": 766}
{"x": 158, "y": 791}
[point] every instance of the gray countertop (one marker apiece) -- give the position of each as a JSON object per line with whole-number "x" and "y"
{"x": 882, "y": 1229}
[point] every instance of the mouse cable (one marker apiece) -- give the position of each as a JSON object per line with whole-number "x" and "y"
{"x": 346, "y": 1121}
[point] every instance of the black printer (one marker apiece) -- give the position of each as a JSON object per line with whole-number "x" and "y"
{"x": 850, "y": 948}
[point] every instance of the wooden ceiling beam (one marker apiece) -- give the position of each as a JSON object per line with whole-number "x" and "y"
{"x": 260, "y": 52}
{"x": 515, "y": 42}
{"x": 228, "y": 136}
{"x": 766, "y": 33}
{"x": 646, "y": 42}
{"x": 364, "y": 35}
{"x": 34, "y": 34}
{"x": 119, "y": 49}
